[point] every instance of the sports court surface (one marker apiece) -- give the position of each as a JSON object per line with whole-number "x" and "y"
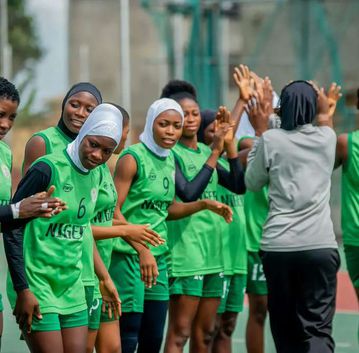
{"x": 345, "y": 324}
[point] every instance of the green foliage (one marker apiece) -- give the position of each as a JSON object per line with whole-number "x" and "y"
{"x": 22, "y": 37}
{"x": 26, "y": 50}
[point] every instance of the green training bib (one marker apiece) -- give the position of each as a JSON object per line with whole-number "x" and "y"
{"x": 5, "y": 172}
{"x": 150, "y": 195}
{"x": 195, "y": 242}
{"x": 53, "y": 247}
{"x": 105, "y": 206}
{"x": 256, "y": 208}
{"x": 233, "y": 234}
{"x": 56, "y": 141}
{"x": 350, "y": 192}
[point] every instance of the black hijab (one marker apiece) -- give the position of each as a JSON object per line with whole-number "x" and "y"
{"x": 208, "y": 116}
{"x": 76, "y": 88}
{"x": 298, "y": 105}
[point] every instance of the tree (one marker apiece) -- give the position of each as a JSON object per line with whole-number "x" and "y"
{"x": 22, "y": 37}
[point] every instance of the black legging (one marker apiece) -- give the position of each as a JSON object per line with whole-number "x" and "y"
{"x": 145, "y": 329}
{"x": 301, "y": 299}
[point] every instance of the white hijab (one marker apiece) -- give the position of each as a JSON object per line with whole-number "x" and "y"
{"x": 105, "y": 120}
{"x": 157, "y": 107}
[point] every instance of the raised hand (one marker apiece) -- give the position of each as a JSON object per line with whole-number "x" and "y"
{"x": 333, "y": 96}
{"x": 221, "y": 129}
{"x": 258, "y": 112}
{"x": 323, "y": 116}
{"x": 322, "y": 101}
{"x": 244, "y": 82}
{"x": 268, "y": 95}
{"x": 224, "y": 120}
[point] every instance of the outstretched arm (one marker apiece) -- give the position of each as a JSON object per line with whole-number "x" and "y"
{"x": 135, "y": 232}
{"x": 179, "y": 210}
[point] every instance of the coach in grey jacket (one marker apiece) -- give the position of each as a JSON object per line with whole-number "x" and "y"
{"x": 299, "y": 250}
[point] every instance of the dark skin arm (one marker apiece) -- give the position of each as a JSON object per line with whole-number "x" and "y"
{"x": 126, "y": 170}
{"x": 135, "y": 232}
{"x": 244, "y": 147}
{"x": 326, "y": 105}
{"x": 341, "y": 155}
{"x": 34, "y": 149}
{"x": 179, "y": 210}
{"x": 110, "y": 297}
{"x": 242, "y": 79}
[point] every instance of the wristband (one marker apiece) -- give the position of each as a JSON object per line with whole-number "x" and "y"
{"x": 15, "y": 208}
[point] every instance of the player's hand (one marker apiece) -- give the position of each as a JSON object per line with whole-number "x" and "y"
{"x": 110, "y": 299}
{"x": 333, "y": 96}
{"x": 41, "y": 205}
{"x": 244, "y": 82}
{"x": 322, "y": 100}
{"x": 26, "y": 308}
{"x": 225, "y": 121}
{"x": 219, "y": 208}
{"x": 258, "y": 113}
{"x": 267, "y": 102}
{"x": 143, "y": 234}
{"x": 148, "y": 268}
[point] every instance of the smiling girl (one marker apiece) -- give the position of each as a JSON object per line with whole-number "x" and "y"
{"x": 145, "y": 183}
{"x": 44, "y": 256}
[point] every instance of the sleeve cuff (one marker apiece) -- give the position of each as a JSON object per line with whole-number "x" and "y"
{"x": 15, "y": 209}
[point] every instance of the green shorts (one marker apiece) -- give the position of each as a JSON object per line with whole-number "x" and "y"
{"x": 352, "y": 259}
{"x": 56, "y": 322}
{"x": 95, "y": 314}
{"x": 89, "y": 290}
{"x": 206, "y": 286}
{"x": 256, "y": 280}
{"x": 125, "y": 272}
{"x": 1, "y": 304}
{"x": 234, "y": 288}
{"x": 160, "y": 291}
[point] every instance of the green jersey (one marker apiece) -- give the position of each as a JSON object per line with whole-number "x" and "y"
{"x": 256, "y": 208}
{"x": 5, "y": 187}
{"x": 5, "y": 166}
{"x": 195, "y": 242}
{"x": 233, "y": 234}
{"x": 150, "y": 195}
{"x": 56, "y": 141}
{"x": 350, "y": 192}
{"x": 53, "y": 247}
{"x": 105, "y": 206}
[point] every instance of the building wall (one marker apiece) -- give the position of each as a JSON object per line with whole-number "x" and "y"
{"x": 95, "y": 24}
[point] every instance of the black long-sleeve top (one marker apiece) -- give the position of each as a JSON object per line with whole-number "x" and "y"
{"x": 189, "y": 191}
{"x": 6, "y": 214}
{"x": 37, "y": 179}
